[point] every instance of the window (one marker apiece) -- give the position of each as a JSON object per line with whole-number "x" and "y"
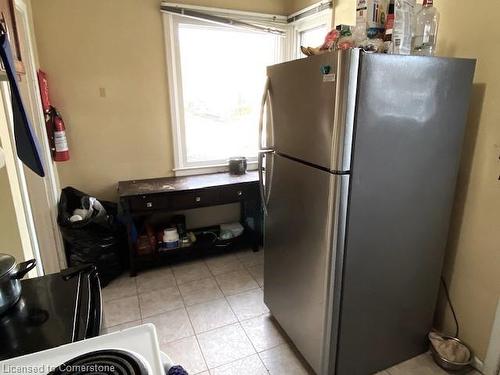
{"x": 217, "y": 75}
{"x": 310, "y": 31}
{"x": 220, "y": 77}
{"x": 223, "y": 73}
{"x": 313, "y": 37}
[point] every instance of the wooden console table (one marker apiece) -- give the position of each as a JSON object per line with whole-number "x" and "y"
{"x": 140, "y": 198}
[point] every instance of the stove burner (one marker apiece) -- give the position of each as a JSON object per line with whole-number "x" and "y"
{"x": 103, "y": 362}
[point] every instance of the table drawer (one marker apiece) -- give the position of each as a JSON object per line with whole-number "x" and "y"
{"x": 148, "y": 202}
{"x": 236, "y": 193}
{"x": 194, "y": 199}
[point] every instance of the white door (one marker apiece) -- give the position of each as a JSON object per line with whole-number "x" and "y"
{"x": 39, "y": 195}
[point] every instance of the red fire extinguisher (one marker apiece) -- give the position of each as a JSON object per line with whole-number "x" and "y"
{"x": 60, "y": 150}
{"x": 56, "y": 131}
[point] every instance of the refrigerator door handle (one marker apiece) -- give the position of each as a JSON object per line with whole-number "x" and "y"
{"x": 263, "y": 196}
{"x": 265, "y": 97}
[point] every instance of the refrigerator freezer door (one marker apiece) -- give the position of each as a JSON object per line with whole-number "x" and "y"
{"x": 309, "y": 100}
{"x": 409, "y": 130}
{"x": 298, "y": 253}
{"x": 266, "y": 138}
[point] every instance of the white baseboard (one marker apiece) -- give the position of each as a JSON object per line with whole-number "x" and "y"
{"x": 492, "y": 361}
{"x": 478, "y": 364}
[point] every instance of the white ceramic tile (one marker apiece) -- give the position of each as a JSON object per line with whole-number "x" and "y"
{"x": 282, "y": 360}
{"x": 171, "y": 326}
{"x": 199, "y": 291}
{"x": 224, "y": 345}
{"x": 248, "y": 304}
{"x": 155, "y": 279}
{"x": 186, "y": 353}
{"x": 186, "y": 272}
{"x": 223, "y": 264}
{"x": 263, "y": 332}
{"x": 247, "y": 366}
{"x": 123, "y": 286}
{"x": 251, "y": 258}
{"x": 210, "y": 315}
{"x": 420, "y": 365}
{"x": 121, "y": 327}
{"x": 160, "y": 301}
{"x": 257, "y": 272}
{"x": 121, "y": 311}
{"x": 236, "y": 282}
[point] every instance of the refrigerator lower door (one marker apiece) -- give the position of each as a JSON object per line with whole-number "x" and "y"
{"x": 299, "y": 255}
{"x": 265, "y": 168}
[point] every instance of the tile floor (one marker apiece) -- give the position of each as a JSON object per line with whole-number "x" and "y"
{"x": 211, "y": 318}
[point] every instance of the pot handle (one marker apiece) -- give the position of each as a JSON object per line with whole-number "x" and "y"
{"x": 23, "y": 268}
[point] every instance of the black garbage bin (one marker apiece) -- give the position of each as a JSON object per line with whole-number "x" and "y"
{"x": 98, "y": 239}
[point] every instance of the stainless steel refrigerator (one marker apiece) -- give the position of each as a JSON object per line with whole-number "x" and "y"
{"x": 358, "y": 165}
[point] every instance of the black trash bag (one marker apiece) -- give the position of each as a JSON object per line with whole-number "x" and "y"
{"x": 98, "y": 239}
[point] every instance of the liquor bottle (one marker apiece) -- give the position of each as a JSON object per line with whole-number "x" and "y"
{"x": 426, "y": 28}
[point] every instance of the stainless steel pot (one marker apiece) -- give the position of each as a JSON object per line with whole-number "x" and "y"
{"x": 448, "y": 365}
{"x": 10, "y": 275}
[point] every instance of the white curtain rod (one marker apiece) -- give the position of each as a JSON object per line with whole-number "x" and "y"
{"x": 178, "y": 10}
{"x": 314, "y": 9}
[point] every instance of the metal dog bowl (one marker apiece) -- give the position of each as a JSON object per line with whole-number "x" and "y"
{"x": 450, "y": 365}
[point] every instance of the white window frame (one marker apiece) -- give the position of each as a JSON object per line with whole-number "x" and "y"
{"x": 170, "y": 23}
{"x": 307, "y": 23}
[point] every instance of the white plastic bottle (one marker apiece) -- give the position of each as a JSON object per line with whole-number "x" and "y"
{"x": 170, "y": 238}
{"x": 404, "y": 24}
{"x": 426, "y": 29}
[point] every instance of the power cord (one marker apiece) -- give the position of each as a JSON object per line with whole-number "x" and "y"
{"x": 446, "y": 292}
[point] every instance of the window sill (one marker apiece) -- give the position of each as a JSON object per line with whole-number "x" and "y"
{"x": 219, "y": 168}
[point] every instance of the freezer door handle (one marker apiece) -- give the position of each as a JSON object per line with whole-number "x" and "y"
{"x": 265, "y": 100}
{"x": 264, "y": 197}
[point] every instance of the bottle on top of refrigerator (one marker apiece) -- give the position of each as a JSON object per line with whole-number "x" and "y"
{"x": 371, "y": 15}
{"x": 404, "y": 21}
{"x": 426, "y": 28}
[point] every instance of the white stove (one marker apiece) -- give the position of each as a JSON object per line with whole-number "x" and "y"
{"x": 132, "y": 351}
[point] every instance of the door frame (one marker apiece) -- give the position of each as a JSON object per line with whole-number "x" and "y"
{"x": 52, "y": 186}
{"x": 16, "y": 174}
{"x": 17, "y": 182}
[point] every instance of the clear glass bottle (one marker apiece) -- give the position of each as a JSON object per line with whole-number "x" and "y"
{"x": 426, "y": 28}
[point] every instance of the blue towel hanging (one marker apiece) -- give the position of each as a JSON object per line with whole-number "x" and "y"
{"x": 28, "y": 149}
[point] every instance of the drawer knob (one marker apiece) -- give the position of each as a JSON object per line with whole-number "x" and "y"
{"x": 240, "y": 193}
{"x": 149, "y": 204}
{"x": 198, "y": 199}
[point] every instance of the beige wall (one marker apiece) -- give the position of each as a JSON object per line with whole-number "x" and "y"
{"x": 293, "y": 6}
{"x": 472, "y": 265}
{"x": 345, "y": 12}
{"x": 86, "y": 46}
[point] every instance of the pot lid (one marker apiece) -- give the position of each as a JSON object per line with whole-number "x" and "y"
{"x": 7, "y": 263}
